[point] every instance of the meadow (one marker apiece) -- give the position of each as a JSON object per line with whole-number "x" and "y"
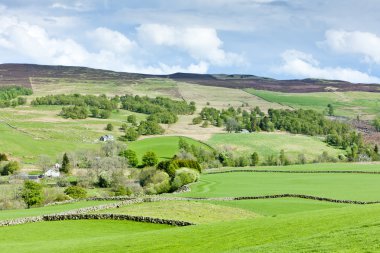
{"x": 350, "y": 186}
{"x": 266, "y": 144}
{"x": 164, "y": 146}
{"x": 348, "y": 104}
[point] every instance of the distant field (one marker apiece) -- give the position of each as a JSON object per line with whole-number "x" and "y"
{"x": 198, "y": 212}
{"x": 164, "y": 146}
{"x": 266, "y": 144}
{"x": 375, "y": 166}
{"x": 349, "y": 104}
{"x": 339, "y": 186}
{"x": 273, "y": 207}
{"x": 18, "y": 213}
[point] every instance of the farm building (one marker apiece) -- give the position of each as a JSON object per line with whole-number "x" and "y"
{"x": 52, "y": 173}
{"x": 106, "y": 137}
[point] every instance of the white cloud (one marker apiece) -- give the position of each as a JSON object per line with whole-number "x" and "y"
{"x": 202, "y": 44}
{"x": 110, "y": 40}
{"x": 301, "y": 65}
{"x": 77, "y": 6}
{"x": 363, "y": 43}
{"x": 113, "y": 50}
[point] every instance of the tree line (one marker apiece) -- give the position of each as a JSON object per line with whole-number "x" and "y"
{"x": 10, "y": 95}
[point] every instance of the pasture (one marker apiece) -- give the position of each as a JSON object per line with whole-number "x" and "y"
{"x": 348, "y": 104}
{"x": 266, "y": 144}
{"x": 364, "y": 187}
{"x": 164, "y": 146}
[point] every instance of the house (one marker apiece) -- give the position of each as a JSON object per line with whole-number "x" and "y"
{"x": 244, "y": 131}
{"x": 52, "y": 173}
{"x": 106, "y": 137}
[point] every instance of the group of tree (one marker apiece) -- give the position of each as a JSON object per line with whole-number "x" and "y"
{"x": 11, "y": 95}
{"x": 160, "y": 109}
{"x": 145, "y": 127}
{"x": 81, "y": 106}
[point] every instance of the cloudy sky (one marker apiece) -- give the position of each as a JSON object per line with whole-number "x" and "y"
{"x": 331, "y": 39}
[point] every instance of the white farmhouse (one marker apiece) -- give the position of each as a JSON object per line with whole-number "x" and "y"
{"x": 52, "y": 173}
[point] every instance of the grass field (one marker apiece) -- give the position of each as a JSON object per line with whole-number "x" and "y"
{"x": 349, "y": 104}
{"x": 266, "y": 144}
{"x": 364, "y": 187}
{"x": 197, "y": 212}
{"x": 164, "y": 146}
{"x": 374, "y": 166}
{"x": 18, "y": 213}
{"x": 350, "y": 229}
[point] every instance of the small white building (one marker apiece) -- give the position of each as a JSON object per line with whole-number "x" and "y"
{"x": 107, "y": 137}
{"x": 52, "y": 173}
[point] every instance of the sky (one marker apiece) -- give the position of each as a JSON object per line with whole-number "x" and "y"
{"x": 283, "y": 39}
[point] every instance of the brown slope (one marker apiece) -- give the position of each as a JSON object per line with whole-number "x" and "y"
{"x": 20, "y": 74}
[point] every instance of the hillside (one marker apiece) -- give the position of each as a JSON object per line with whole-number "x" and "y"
{"x": 21, "y": 74}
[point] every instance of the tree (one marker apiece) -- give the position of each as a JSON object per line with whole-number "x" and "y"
{"x": 376, "y": 149}
{"x": 232, "y": 125}
{"x": 66, "y": 166}
{"x": 10, "y": 168}
{"x": 3, "y": 157}
{"x": 254, "y": 159}
{"x": 76, "y": 192}
{"x": 132, "y": 119}
{"x": 149, "y": 159}
{"x": 32, "y": 193}
{"x": 105, "y": 114}
{"x": 131, "y": 134}
{"x": 109, "y": 127}
{"x": 330, "y": 110}
{"x": 183, "y": 144}
{"x": 131, "y": 156}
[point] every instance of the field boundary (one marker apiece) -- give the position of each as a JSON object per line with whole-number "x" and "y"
{"x": 298, "y": 171}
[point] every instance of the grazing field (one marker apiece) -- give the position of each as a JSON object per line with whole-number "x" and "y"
{"x": 373, "y": 166}
{"x": 349, "y": 104}
{"x": 363, "y": 187}
{"x": 164, "y": 146}
{"x": 266, "y": 144}
{"x": 197, "y": 212}
{"x": 274, "y": 207}
{"x": 352, "y": 228}
{"x": 19, "y": 213}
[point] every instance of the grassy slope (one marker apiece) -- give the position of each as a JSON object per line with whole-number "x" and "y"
{"x": 193, "y": 211}
{"x": 348, "y": 104}
{"x": 353, "y": 229}
{"x": 340, "y": 186}
{"x": 18, "y": 213}
{"x": 375, "y": 166}
{"x": 272, "y": 143}
{"x": 164, "y": 146}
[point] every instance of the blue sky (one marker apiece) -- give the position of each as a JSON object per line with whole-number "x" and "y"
{"x": 331, "y": 39}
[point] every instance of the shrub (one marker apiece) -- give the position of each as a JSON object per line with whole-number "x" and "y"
{"x": 149, "y": 159}
{"x": 171, "y": 166}
{"x": 32, "y": 193}
{"x": 103, "y": 182}
{"x": 109, "y": 127}
{"x": 3, "y": 157}
{"x": 10, "y": 168}
{"x": 76, "y": 192}
{"x": 184, "y": 176}
{"x": 131, "y": 156}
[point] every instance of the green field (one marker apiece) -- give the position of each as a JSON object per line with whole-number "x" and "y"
{"x": 363, "y": 187}
{"x": 352, "y": 229}
{"x": 197, "y": 212}
{"x": 19, "y": 213}
{"x": 266, "y": 144}
{"x": 349, "y": 104}
{"x": 164, "y": 146}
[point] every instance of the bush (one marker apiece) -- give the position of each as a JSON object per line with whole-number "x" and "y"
{"x": 131, "y": 134}
{"x": 32, "y": 193}
{"x": 10, "y": 168}
{"x": 109, "y": 127}
{"x": 171, "y": 166}
{"x": 184, "y": 176}
{"x": 76, "y": 192}
{"x": 3, "y": 157}
{"x": 131, "y": 157}
{"x": 149, "y": 159}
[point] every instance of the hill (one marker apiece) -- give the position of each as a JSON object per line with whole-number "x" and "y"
{"x": 21, "y": 74}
